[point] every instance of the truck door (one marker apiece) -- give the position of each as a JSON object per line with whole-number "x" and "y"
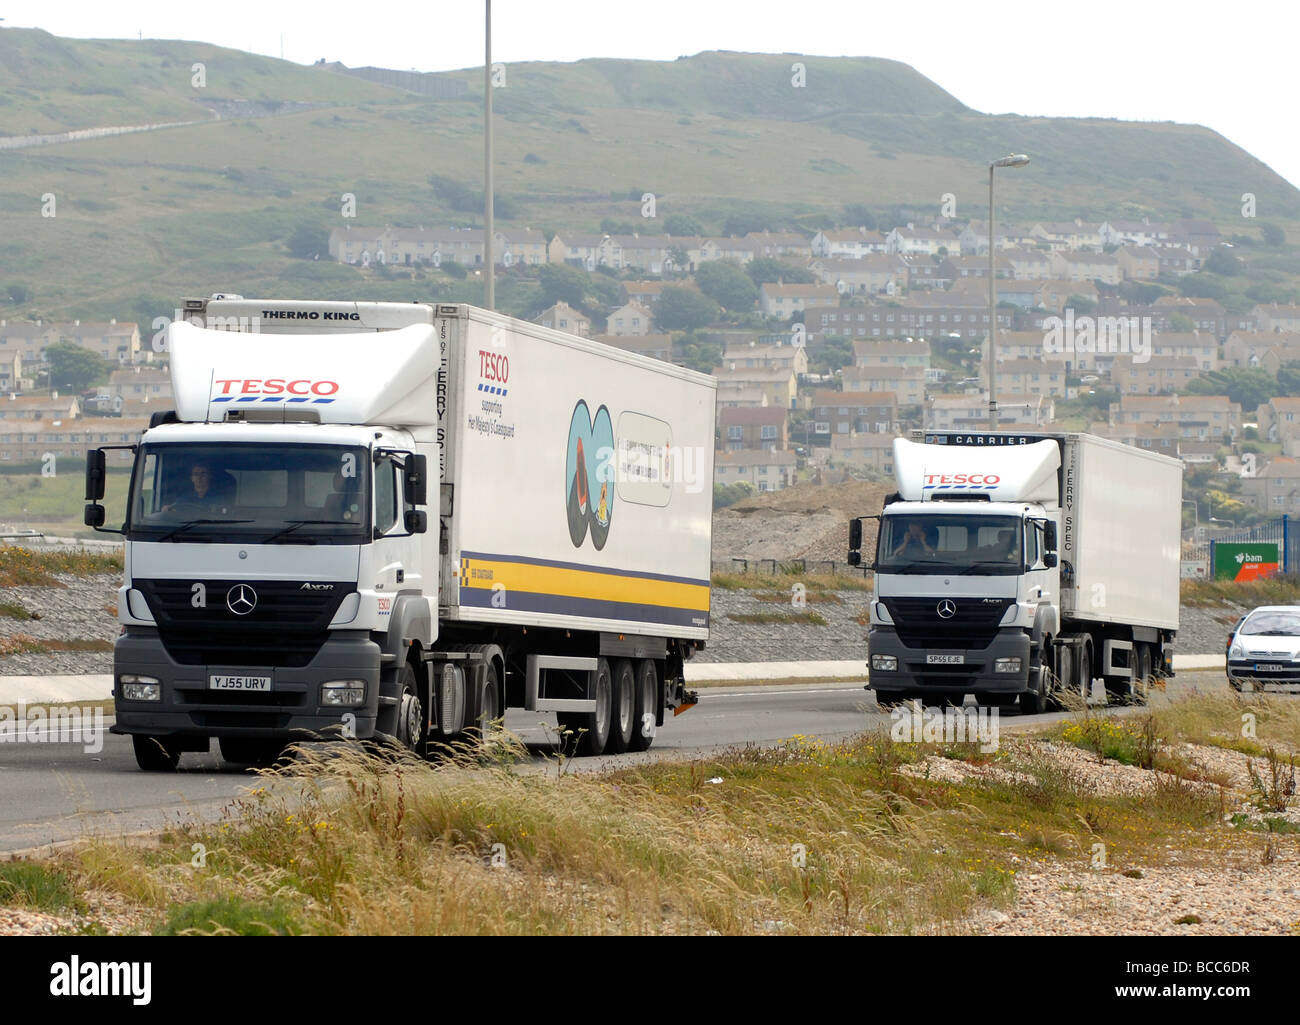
{"x": 397, "y": 549}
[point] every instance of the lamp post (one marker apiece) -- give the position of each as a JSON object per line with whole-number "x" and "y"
{"x": 1012, "y": 160}
{"x": 489, "y": 294}
{"x": 1196, "y": 519}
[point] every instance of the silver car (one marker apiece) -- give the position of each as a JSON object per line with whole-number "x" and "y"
{"x": 1265, "y": 649}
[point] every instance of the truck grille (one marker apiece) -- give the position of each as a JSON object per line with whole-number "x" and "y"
{"x": 973, "y": 625}
{"x": 286, "y": 626}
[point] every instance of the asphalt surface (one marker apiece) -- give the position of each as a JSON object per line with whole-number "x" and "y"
{"x": 52, "y": 793}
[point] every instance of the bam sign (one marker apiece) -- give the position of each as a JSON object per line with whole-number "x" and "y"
{"x": 1245, "y": 561}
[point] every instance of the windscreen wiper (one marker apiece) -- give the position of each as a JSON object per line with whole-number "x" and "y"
{"x": 194, "y": 523}
{"x": 292, "y": 525}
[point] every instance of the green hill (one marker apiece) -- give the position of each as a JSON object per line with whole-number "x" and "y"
{"x": 145, "y": 218}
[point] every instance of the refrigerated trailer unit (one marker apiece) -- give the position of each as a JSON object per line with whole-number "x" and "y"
{"x": 1015, "y": 566}
{"x": 402, "y": 519}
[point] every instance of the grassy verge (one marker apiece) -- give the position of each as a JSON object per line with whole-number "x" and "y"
{"x": 1276, "y": 590}
{"x": 807, "y": 618}
{"x": 24, "y": 567}
{"x": 25, "y": 644}
{"x": 864, "y": 836}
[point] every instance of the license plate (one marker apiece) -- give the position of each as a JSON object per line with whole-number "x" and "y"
{"x": 1269, "y": 667}
{"x": 945, "y": 660}
{"x": 239, "y": 683}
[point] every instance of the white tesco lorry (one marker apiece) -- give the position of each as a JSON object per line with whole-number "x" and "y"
{"x": 284, "y": 578}
{"x": 1014, "y": 566}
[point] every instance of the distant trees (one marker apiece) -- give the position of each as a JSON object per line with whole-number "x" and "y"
{"x": 682, "y": 224}
{"x": 728, "y": 494}
{"x": 1223, "y": 262}
{"x": 726, "y": 284}
{"x": 18, "y": 294}
{"x": 1273, "y": 235}
{"x": 684, "y": 309}
{"x": 1249, "y": 386}
{"x": 766, "y": 271}
{"x": 309, "y": 242}
{"x": 73, "y": 367}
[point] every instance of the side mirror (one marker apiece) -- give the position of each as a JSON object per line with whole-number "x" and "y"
{"x": 855, "y": 558}
{"x": 95, "y": 515}
{"x": 95, "y": 476}
{"x": 416, "y": 521}
{"x": 855, "y": 535}
{"x": 1049, "y": 559}
{"x": 1050, "y": 536}
{"x": 417, "y": 479}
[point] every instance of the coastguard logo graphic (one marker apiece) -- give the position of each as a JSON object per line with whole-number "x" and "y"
{"x": 589, "y": 475}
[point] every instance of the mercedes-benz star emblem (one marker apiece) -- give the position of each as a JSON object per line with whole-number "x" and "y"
{"x": 946, "y": 609}
{"x": 241, "y": 599}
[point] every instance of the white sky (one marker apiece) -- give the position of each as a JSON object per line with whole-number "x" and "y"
{"x": 1229, "y": 66}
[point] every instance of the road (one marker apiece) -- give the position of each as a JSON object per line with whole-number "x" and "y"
{"x": 55, "y": 793}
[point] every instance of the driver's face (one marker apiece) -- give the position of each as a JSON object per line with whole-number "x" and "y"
{"x": 200, "y": 476}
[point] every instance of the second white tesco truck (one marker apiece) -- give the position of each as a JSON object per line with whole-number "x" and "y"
{"x": 1015, "y": 566}
{"x": 402, "y": 519}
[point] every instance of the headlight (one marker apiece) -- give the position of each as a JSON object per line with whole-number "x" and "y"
{"x": 884, "y": 663}
{"x": 140, "y": 688}
{"x": 1236, "y": 651}
{"x": 1007, "y": 665}
{"x": 345, "y": 693}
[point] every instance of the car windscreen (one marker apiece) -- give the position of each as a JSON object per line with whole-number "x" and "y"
{"x": 1273, "y": 623}
{"x": 251, "y": 493}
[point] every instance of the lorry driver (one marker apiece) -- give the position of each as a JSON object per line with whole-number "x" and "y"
{"x": 914, "y": 542}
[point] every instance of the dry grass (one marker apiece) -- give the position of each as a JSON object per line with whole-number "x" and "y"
{"x": 23, "y": 567}
{"x": 25, "y": 644}
{"x": 1274, "y": 590}
{"x": 784, "y": 582}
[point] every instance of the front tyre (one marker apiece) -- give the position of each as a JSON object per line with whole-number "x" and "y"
{"x": 411, "y": 728}
{"x": 155, "y": 754}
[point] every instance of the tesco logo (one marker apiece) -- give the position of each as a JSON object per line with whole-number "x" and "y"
{"x": 276, "y": 386}
{"x": 975, "y": 480}
{"x": 493, "y": 366}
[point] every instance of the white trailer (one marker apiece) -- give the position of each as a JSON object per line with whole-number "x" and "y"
{"x": 567, "y": 569}
{"x": 1013, "y": 566}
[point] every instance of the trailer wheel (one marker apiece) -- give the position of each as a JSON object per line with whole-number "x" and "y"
{"x": 1140, "y": 685}
{"x": 647, "y": 704}
{"x": 155, "y": 754}
{"x": 591, "y": 729}
{"x": 490, "y": 722}
{"x": 622, "y": 721}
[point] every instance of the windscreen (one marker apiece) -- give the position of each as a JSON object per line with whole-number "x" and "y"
{"x": 1273, "y": 623}
{"x": 950, "y": 543}
{"x": 252, "y": 493}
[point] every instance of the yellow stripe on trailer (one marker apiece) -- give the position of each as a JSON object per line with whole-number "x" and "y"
{"x": 583, "y": 583}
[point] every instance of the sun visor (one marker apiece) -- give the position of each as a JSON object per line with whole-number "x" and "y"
{"x": 1012, "y": 473}
{"x": 384, "y": 377}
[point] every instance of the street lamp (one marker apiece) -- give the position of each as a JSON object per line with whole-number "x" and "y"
{"x": 1012, "y": 160}
{"x": 489, "y": 259}
{"x": 1196, "y": 519}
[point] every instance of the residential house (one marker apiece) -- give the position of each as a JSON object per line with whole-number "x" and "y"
{"x": 1270, "y": 318}
{"x": 907, "y": 383}
{"x": 1199, "y": 417}
{"x": 1084, "y": 266}
{"x": 866, "y": 275}
{"x": 864, "y": 451}
{"x": 771, "y": 356}
{"x": 892, "y": 352}
{"x": 1160, "y": 375}
{"x": 632, "y": 319}
{"x": 657, "y": 346}
{"x": 783, "y": 301}
{"x": 781, "y": 245}
{"x": 1201, "y": 346}
{"x": 1279, "y": 423}
{"x": 38, "y": 408}
{"x": 1138, "y": 263}
{"x": 852, "y": 243}
{"x": 563, "y": 317}
{"x": 765, "y": 469}
{"x": 1275, "y": 489}
{"x": 853, "y": 412}
{"x": 971, "y": 412}
{"x": 914, "y": 241}
{"x": 778, "y": 387}
{"x": 754, "y": 428}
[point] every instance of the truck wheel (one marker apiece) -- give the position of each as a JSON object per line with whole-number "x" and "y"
{"x": 411, "y": 730}
{"x": 1034, "y": 700}
{"x": 250, "y": 750}
{"x": 647, "y": 704}
{"x": 622, "y": 725}
{"x": 154, "y": 754}
{"x": 591, "y": 729}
